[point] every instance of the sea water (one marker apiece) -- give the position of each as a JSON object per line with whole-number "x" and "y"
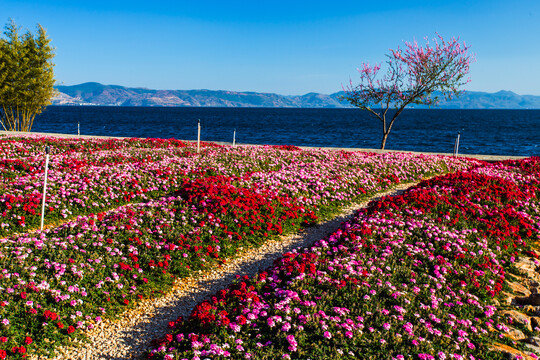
{"x": 490, "y": 132}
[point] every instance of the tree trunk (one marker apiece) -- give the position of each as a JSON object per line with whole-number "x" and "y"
{"x": 383, "y": 142}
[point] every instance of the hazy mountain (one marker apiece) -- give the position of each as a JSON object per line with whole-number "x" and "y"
{"x": 115, "y": 95}
{"x": 98, "y": 94}
{"x": 500, "y": 100}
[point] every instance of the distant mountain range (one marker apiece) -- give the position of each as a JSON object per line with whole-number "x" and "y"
{"x": 114, "y": 95}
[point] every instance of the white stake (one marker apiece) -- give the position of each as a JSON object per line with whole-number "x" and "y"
{"x": 234, "y": 138}
{"x": 456, "y": 145}
{"x": 199, "y": 136}
{"x": 78, "y": 128}
{"x": 47, "y": 151}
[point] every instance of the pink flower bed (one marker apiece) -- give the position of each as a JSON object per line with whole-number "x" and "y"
{"x": 141, "y": 213}
{"x": 412, "y": 276}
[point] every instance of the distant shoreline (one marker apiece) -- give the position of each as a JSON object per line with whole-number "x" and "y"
{"x": 93, "y": 93}
{"x": 281, "y": 107}
{"x": 378, "y": 151}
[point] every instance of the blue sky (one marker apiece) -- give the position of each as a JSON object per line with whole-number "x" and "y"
{"x": 287, "y": 47}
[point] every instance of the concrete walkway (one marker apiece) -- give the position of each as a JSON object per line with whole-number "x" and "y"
{"x": 378, "y": 151}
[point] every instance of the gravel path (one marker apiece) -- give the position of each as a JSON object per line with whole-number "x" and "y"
{"x": 130, "y": 336}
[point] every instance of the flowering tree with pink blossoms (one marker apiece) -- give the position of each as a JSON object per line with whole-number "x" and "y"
{"x": 413, "y": 76}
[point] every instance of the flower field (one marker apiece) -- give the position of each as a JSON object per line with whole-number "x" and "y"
{"x": 125, "y": 219}
{"x": 415, "y": 276}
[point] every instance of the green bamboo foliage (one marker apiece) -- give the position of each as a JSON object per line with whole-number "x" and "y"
{"x": 26, "y": 76}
